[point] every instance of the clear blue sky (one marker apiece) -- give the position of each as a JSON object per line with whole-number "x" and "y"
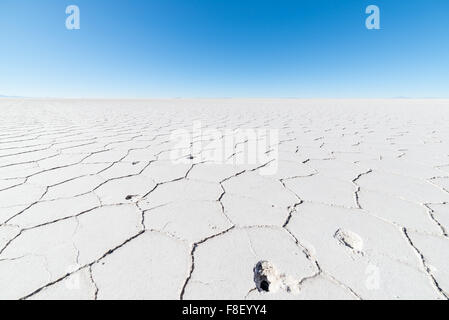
{"x": 224, "y": 48}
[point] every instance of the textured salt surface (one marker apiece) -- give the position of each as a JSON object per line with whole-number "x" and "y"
{"x": 93, "y": 207}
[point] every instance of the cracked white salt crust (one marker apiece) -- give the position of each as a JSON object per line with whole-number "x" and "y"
{"x": 55, "y": 210}
{"x": 253, "y": 185}
{"x": 441, "y": 216}
{"x": 77, "y": 286}
{"x": 21, "y": 195}
{"x": 386, "y": 252}
{"x": 216, "y": 258}
{"x": 181, "y": 191}
{"x": 401, "y": 212}
{"x": 322, "y": 189}
{"x": 188, "y": 220}
{"x": 146, "y": 268}
{"x": 93, "y": 207}
{"x": 404, "y": 187}
{"x": 124, "y": 190}
{"x": 313, "y": 288}
{"x": 74, "y": 188}
{"x": 435, "y": 251}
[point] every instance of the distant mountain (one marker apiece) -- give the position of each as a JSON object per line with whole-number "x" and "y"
{"x": 3, "y": 96}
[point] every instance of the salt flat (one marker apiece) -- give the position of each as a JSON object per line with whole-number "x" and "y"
{"x": 99, "y": 200}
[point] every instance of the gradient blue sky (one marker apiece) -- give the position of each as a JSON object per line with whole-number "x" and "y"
{"x": 224, "y": 48}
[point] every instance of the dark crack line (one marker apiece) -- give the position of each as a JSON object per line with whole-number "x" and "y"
{"x": 192, "y": 255}
{"x": 424, "y": 263}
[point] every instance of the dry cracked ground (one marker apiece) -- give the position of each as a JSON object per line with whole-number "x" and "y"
{"x": 92, "y": 205}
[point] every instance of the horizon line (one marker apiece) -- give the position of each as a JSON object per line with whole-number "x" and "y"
{"x": 224, "y": 98}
